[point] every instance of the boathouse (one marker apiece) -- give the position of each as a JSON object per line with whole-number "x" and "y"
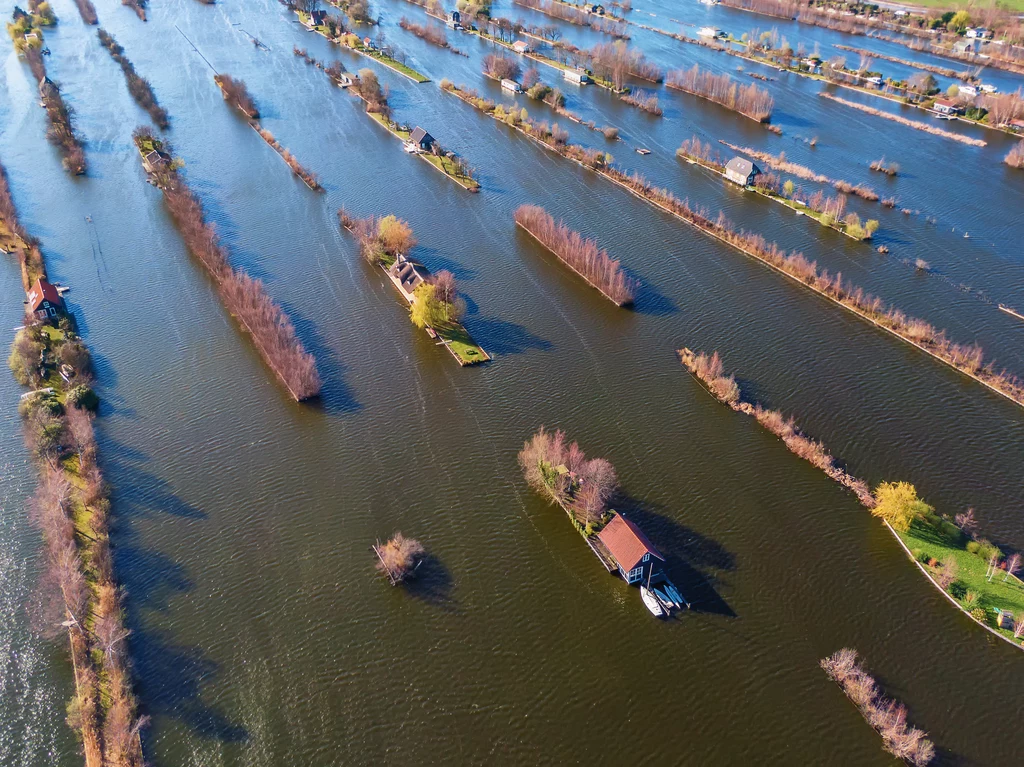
{"x": 44, "y": 302}
{"x": 154, "y": 161}
{"x": 635, "y": 556}
{"x": 521, "y": 46}
{"x": 946, "y": 107}
{"x": 741, "y": 171}
{"x": 454, "y": 20}
{"x": 407, "y": 276}
{"x": 511, "y": 86}
{"x": 577, "y": 76}
{"x": 421, "y": 139}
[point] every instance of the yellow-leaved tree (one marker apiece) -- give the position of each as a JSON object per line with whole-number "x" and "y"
{"x": 897, "y": 503}
{"x": 426, "y": 309}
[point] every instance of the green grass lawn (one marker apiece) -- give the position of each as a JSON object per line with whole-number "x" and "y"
{"x": 462, "y": 344}
{"x": 933, "y": 543}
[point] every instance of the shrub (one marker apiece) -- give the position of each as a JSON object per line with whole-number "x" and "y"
{"x": 979, "y": 615}
{"x": 973, "y": 546}
{"x": 919, "y": 555}
{"x": 610, "y": 133}
{"x": 958, "y": 589}
{"x": 949, "y": 531}
{"x": 24, "y": 359}
{"x": 83, "y": 397}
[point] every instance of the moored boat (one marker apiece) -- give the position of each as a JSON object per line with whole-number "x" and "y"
{"x": 652, "y": 603}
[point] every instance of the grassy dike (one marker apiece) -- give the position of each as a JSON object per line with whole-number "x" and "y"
{"x": 71, "y": 504}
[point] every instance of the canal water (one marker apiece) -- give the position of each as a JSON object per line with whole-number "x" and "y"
{"x": 261, "y": 635}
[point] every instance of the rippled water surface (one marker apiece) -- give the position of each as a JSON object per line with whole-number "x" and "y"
{"x": 261, "y": 635}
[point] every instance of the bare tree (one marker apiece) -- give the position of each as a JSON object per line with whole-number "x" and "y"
{"x": 1012, "y": 565}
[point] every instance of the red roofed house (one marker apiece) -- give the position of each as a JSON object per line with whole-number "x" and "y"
{"x": 634, "y": 554}
{"x": 44, "y": 302}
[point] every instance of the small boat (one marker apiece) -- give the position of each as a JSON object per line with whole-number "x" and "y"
{"x": 666, "y": 601}
{"x": 651, "y": 602}
{"x": 674, "y": 595}
{"x": 410, "y": 147}
{"x": 643, "y": 151}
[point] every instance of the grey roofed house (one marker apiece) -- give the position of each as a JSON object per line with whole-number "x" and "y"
{"x": 407, "y": 276}
{"x": 154, "y": 160}
{"x": 421, "y": 138}
{"x": 741, "y": 171}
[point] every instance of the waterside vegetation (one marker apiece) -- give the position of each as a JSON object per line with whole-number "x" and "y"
{"x": 583, "y": 256}
{"x": 245, "y": 298}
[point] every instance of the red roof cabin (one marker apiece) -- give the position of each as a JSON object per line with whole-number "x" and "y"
{"x": 44, "y": 302}
{"x": 636, "y": 556}
{"x": 946, "y": 107}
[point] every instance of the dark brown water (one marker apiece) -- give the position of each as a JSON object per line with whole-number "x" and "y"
{"x": 262, "y": 636}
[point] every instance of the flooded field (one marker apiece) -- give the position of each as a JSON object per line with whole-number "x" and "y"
{"x": 243, "y": 521}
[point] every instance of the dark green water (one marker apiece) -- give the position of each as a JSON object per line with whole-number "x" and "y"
{"x": 261, "y": 634}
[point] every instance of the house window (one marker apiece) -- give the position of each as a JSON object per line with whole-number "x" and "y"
{"x": 53, "y": 312}
{"x": 635, "y": 574}
{"x": 647, "y": 557}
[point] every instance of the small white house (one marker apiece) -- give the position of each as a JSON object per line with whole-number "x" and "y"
{"x": 967, "y": 90}
{"x": 876, "y": 80}
{"x": 577, "y": 76}
{"x": 986, "y": 88}
{"x": 741, "y": 171}
{"x": 978, "y": 33}
{"x": 710, "y": 32}
{"x": 511, "y": 86}
{"x": 521, "y": 46}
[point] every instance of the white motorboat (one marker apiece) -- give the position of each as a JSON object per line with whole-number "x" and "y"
{"x": 651, "y": 602}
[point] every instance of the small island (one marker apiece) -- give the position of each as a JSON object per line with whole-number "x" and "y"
{"x": 398, "y": 557}
{"x": 434, "y": 302}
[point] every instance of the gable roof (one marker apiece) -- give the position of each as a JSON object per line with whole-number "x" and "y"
{"x": 406, "y": 275}
{"x": 418, "y": 136}
{"x": 43, "y": 291}
{"x": 627, "y": 542}
{"x": 742, "y": 166}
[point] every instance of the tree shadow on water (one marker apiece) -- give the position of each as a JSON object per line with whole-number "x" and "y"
{"x": 501, "y": 337}
{"x": 433, "y": 584}
{"x": 648, "y": 300}
{"x": 693, "y": 561}
{"x": 171, "y": 678}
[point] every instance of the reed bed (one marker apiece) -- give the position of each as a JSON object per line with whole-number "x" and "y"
{"x": 581, "y": 255}
{"x": 885, "y": 715}
{"x": 643, "y": 100}
{"x": 710, "y": 371}
{"x": 780, "y": 163}
{"x": 904, "y": 121}
{"x": 138, "y": 86}
{"x": 246, "y": 298}
{"x": 888, "y": 168}
{"x": 61, "y": 130}
{"x": 966, "y": 358}
{"x": 749, "y": 100}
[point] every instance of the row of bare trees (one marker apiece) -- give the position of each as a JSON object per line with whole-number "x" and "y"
{"x": 749, "y": 100}
{"x": 244, "y": 297}
{"x": 236, "y": 92}
{"x": 72, "y": 508}
{"x": 138, "y": 86}
{"x": 502, "y": 67}
{"x": 308, "y": 176}
{"x": 643, "y": 100}
{"x": 87, "y": 11}
{"x": 1015, "y": 157}
{"x": 1003, "y": 107}
{"x": 710, "y": 370}
{"x": 904, "y": 121}
{"x": 61, "y": 130}
{"x": 139, "y": 6}
{"x": 885, "y": 715}
{"x": 615, "y": 61}
{"x": 614, "y": 27}
{"x": 583, "y": 486}
{"x": 429, "y": 32}
{"x": 967, "y": 358}
{"x": 582, "y": 255}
